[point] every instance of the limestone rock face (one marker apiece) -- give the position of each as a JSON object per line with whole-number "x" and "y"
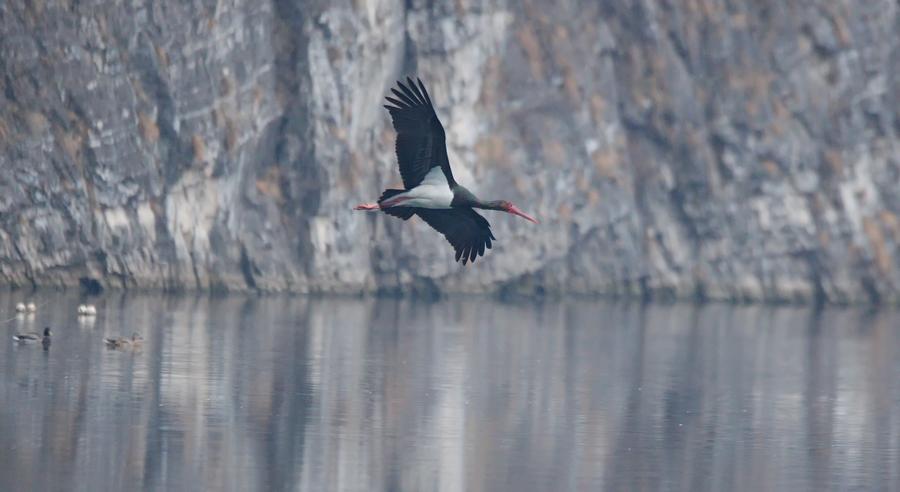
{"x": 720, "y": 149}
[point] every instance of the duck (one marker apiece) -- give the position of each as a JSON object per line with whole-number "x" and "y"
{"x": 87, "y": 310}
{"x": 34, "y": 337}
{"x": 31, "y": 307}
{"x": 20, "y": 307}
{"x": 115, "y": 343}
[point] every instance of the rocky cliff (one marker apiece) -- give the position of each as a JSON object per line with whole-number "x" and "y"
{"x": 723, "y": 149}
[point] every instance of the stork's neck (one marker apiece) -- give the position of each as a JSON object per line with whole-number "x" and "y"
{"x": 489, "y": 205}
{"x": 465, "y": 198}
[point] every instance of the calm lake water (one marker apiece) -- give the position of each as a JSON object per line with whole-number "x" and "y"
{"x": 276, "y": 393}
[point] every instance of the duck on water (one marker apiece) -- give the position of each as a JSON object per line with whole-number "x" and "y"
{"x": 122, "y": 343}
{"x": 34, "y": 337}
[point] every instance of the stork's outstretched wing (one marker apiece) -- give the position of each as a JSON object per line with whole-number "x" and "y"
{"x": 468, "y": 232}
{"x": 421, "y": 143}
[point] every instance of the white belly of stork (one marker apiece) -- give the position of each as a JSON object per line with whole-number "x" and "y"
{"x": 432, "y": 192}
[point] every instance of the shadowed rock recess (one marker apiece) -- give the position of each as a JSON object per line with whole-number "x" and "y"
{"x": 717, "y": 149}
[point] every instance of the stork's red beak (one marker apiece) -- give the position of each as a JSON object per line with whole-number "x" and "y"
{"x": 515, "y": 210}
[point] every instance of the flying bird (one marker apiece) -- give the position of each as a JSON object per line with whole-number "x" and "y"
{"x": 429, "y": 189}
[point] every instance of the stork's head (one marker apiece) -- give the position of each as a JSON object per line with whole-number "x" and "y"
{"x": 509, "y": 208}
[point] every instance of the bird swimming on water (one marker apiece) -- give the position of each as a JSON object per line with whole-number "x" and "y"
{"x": 34, "y": 337}
{"x": 429, "y": 188}
{"x": 87, "y": 310}
{"x": 120, "y": 343}
{"x": 26, "y": 308}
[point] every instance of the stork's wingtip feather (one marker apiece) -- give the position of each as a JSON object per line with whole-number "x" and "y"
{"x": 416, "y": 93}
{"x": 396, "y": 102}
{"x": 424, "y": 92}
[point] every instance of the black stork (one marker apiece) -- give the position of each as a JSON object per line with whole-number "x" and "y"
{"x": 429, "y": 188}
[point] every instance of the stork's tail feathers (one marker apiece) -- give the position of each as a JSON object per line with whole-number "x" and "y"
{"x": 389, "y": 208}
{"x": 389, "y": 193}
{"x": 372, "y": 207}
{"x": 399, "y": 212}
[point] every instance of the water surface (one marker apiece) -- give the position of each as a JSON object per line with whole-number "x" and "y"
{"x": 275, "y": 393}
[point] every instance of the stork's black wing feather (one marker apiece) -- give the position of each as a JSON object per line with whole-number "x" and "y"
{"x": 421, "y": 142}
{"x": 468, "y": 232}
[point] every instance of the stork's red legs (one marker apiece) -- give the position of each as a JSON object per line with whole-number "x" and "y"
{"x": 367, "y": 206}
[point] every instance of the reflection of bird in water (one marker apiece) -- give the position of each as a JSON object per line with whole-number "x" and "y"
{"x": 33, "y": 337}
{"x": 87, "y": 310}
{"x": 122, "y": 343}
{"x": 24, "y": 311}
{"x": 86, "y": 321}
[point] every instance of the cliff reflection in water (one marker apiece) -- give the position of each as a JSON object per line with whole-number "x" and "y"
{"x": 274, "y": 393}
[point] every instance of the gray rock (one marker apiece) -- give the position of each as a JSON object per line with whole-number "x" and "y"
{"x": 739, "y": 151}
